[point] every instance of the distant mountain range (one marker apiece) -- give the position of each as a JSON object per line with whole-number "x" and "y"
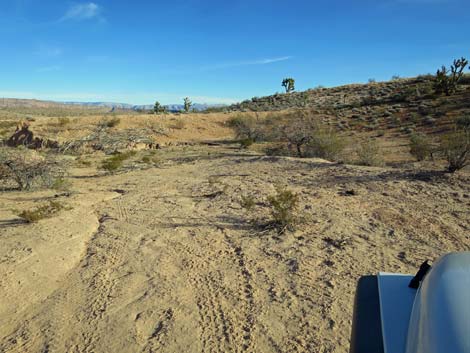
{"x": 34, "y": 103}
{"x": 124, "y": 106}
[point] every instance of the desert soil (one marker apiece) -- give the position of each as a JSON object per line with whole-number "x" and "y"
{"x": 166, "y": 260}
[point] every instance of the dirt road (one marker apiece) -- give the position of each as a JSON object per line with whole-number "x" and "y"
{"x": 166, "y": 259}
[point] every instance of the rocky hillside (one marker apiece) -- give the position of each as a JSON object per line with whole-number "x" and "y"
{"x": 409, "y": 91}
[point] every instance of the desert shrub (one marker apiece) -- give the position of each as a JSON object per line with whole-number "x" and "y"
{"x": 420, "y": 146}
{"x": 111, "y": 122}
{"x": 284, "y": 209}
{"x": 146, "y": 159}
{"x": 116, "y": 161}
{"x": 41, "y": 212}
{"x": 369, "y": 154}
{"x": 325, "y": 144}
{"x": 28, "y": 169}
{"x": 61, "y": 184}
{"x": 456, "y": 149}
{"x": 246, "y": 127}
{"x": 247, "y": 202}
{"x": 295, "y": 128}
{"x": 245, "y": 143}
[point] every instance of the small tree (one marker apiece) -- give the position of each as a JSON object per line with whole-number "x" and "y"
{"x": 297, "y": 129}
{"x": 288, "y": 84}
{"x": 187, "y": 104}
{"x": 446, "y": 81}
{"x": 158, "y": 108}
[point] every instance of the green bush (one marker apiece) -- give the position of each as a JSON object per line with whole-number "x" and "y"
{"x": 284, "y": 209}
{"x": 369, "y": 154}
{"x": 325, "y": 144}
{"x": 420, "y": 146}
{"x": 456, "y": 149}
{"x": 116, "y": 161}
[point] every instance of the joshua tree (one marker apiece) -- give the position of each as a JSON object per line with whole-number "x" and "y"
{"x": 158, "y": 108}
{"x": 445, "y": 81}
{"x": 187, "y": 104}
{"x": 288, "y": 84}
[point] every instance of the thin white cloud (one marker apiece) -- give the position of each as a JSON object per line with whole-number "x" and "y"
{"x": 48, "y": 51}
{"x": 246, "y": 63}
{"x": 49, "y": 68}
{"x": 82, "y": 12}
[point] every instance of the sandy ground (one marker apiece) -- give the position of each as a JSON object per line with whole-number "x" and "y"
{"x": 166, "y": 260}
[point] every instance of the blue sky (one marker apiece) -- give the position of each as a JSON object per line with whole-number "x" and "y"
{"x": 218, "y": 51}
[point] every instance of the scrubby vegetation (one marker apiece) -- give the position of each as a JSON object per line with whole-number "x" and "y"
{"x": 369, "y": 154}
{"x": 326, "y": 144}
{"x": 42, "y": 212}
{"x": 247, "y": 202}
{"x": 27, "y": 169}
{"x": 420, "y": 146}
{"x": 284, "y": 209}
{"x": 299, "y": 131}
{"x": 116, "y": 161}
{"x": 456, "y": 149}
{"x": 113, "y": 122}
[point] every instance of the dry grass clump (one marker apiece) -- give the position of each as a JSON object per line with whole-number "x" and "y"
{"x": 28, "y": 169}
{"x": 116, "y": 161}
{"x": 247, "y": 202}
{"x": 45, "y": 211}
{"x": 179, "y": 124}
